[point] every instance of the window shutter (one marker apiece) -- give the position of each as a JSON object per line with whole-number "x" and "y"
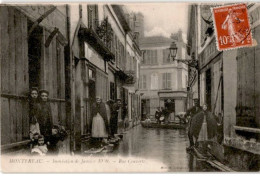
{"x": 164, "y": 81}
{"x": 89, "y": 16}
{"x": 155, "y": 57}
{"x": 169, "y": 80}
{"x": 144, "y": 81}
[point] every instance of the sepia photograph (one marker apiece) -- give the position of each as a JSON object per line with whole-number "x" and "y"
{"x": 129, "y": 87}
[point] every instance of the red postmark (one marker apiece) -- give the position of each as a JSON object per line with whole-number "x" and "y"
{"x": 232, "y": 26}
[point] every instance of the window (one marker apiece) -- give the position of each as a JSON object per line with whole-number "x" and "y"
{"x": 154, "y": 81}
{"x": 112, "y": 91}
{"x": 166, "y": 58}
{"x": 150, "y": 57}
{"x": 92, "y": 16}
{"x": 166, "y": 81}
{"x": 143, "y": 82}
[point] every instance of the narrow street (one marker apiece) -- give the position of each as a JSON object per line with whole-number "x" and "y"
{"x": 167, "y": 146}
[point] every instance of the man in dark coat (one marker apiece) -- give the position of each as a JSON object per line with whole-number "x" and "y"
{"x": 197, "y": 121}
{"x": 190, "y": 113}
{"x": 45, "y": 115}
{"x": 157, "y": 115}
{"x": 114, "y": 117}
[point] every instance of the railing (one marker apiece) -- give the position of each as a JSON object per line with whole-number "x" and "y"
{"x": 131, "y": 79}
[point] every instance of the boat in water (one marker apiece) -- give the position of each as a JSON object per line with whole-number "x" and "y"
{"x": 170, "y": 125}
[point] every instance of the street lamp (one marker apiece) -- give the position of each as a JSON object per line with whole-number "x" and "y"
{"x": 193, "y": 63}
{"x": 173, "y": 50}
{"x": 190, "y": 62}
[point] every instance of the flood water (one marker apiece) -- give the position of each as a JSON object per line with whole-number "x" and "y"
{"x": 164, "y": 145}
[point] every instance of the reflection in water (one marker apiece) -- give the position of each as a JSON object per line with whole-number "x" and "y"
{"x": 167, "y": 146}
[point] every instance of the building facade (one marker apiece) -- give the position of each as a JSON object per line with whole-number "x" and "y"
{"x": 101, "y": 47}
{"x": 228, "y": 87}
{"x": 76, "y": 52}
{"x": 33, "y": 45}
{"x": 162, "y": 80}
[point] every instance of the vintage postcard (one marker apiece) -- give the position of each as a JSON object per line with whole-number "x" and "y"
{"x": 130, "y": 87}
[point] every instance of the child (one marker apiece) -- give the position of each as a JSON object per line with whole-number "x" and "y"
{"x": 41, "y": 148}
{"x": 33, "y": 109}
{"x": 34, "y": 140}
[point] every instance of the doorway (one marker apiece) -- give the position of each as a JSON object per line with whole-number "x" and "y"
{"x": 34, "y": 55}
{"x": 208, "y": 88}
{"x": 145, "y": 108}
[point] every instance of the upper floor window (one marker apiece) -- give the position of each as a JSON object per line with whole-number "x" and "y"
{"x": 166, "y": 57}
{"x": 154, "y": 81}
{"x": 150, "y": 57}
{"x": 142, "y": 81}
{"x": 166, "y": 81}
{"x": 92, "y": 16}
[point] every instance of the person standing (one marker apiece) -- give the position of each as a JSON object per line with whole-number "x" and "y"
{"x": 109, "y": 105}
{"x": 99, "y": 121}
{"x": 203, "y": 126}
{"x": 166, "y": 113}
{"x": 124, "y": 114}
{"x": 33, "y": 108}
{"x": 190, "y": 113}
{"x": 157, "y": 115}
{"x": 114, "y": 117}
{"x": 45, "y": 115}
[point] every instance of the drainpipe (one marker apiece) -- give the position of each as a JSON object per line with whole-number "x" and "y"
{"x": 70, "y": 81}
{"x": 196, "y": 54}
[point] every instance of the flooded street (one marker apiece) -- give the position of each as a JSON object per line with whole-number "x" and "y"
{"x": 164, "y": 145}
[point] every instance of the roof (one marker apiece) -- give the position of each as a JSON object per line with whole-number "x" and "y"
{"x": 155, "y": 41}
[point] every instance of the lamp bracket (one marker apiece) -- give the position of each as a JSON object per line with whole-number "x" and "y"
{"x": 191, "y": 63}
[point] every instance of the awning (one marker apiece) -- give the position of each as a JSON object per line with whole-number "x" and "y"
{"x": 89, "y": 36}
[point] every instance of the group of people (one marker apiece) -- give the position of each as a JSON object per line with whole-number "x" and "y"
{"x": 43, "y": 134}
{"x": 162, "y": 115}
{"x": 203, "y": 126}
{"x": 104, "y": 119}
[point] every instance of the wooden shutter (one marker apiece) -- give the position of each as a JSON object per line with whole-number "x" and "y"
{"x": 164, "y": 86}
{"x": 144, "y": 81}
{"x": 155, "y": 57}
{"x": 168, "y": 80}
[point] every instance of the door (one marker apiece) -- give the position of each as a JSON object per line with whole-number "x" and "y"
{"x": 208, "y": 88}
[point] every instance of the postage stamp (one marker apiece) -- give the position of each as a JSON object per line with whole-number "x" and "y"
{"x": 232, "y": 26}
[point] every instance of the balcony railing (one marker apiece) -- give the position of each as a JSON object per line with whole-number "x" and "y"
{"x": 131, "y": 79}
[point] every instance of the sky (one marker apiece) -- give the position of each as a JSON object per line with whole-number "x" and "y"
{"x": 162, "y": 18}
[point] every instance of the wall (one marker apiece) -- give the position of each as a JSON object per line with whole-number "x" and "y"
{"x": 230, "y": 90}
{"x": 15, "y": 59}
{"x": 14, "y": 76}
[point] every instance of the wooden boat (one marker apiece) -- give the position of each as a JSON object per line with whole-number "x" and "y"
{"x": 170, "y": 125}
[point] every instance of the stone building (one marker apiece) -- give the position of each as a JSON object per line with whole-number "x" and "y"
{"x": 162, "y": 80}
{"x": 100, "y": 45}
{"x": 76, "y": 52}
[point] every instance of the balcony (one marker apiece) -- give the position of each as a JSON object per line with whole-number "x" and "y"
{"x": 99, "y": 38}
{"x": 131, "y": 77}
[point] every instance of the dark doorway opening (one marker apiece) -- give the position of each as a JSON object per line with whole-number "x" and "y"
{"x": 145, "y": 109}
{"x": 92, "y": 93}
{"x": 169, "y": 104}
{"x": 208, "y": 88}
{"x": 34, "y": 54}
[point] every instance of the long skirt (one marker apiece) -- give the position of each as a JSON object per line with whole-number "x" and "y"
{"x": 203, "y": 136}
{"x": 98, "y": 127}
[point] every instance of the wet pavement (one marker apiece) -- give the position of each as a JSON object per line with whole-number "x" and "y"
{"x": 164, "y": 145}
